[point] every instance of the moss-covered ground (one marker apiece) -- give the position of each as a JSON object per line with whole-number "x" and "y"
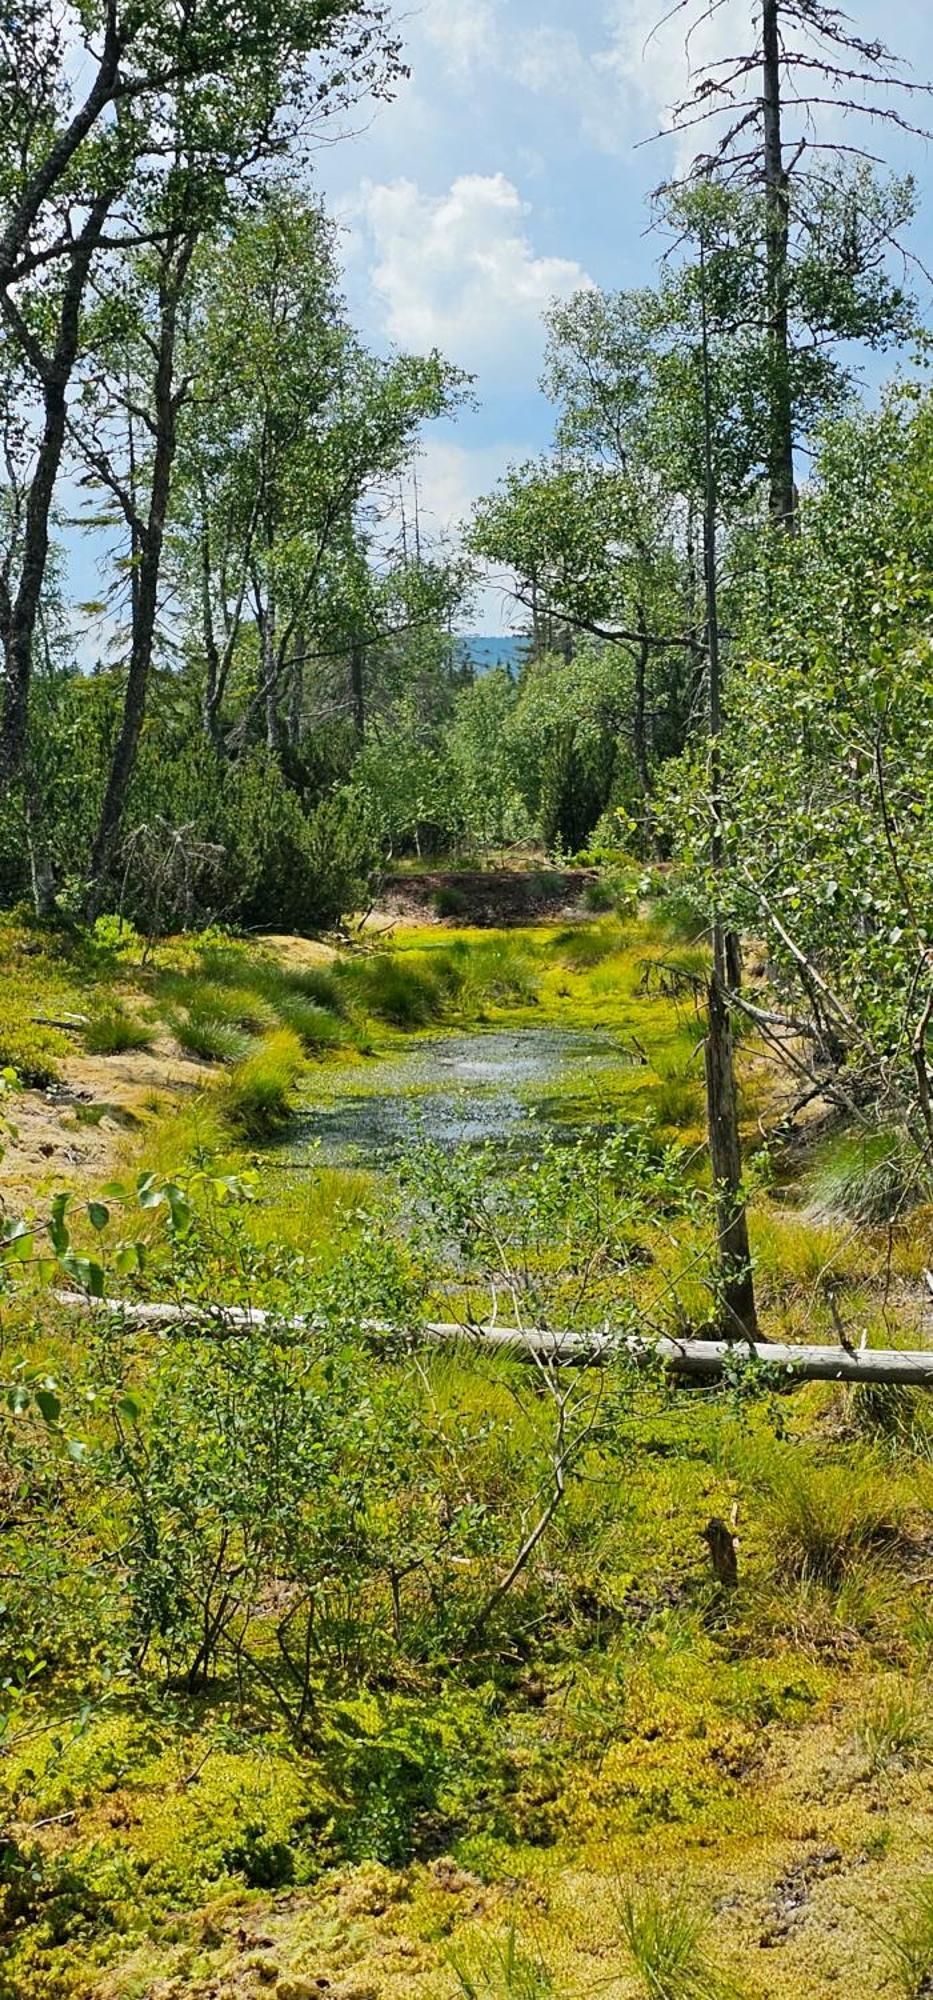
{"x": 629, "y": 1752}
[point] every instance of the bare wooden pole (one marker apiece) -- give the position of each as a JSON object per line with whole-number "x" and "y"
{"x": 698, "y": 1360}
{"x": 737, "y": 1287}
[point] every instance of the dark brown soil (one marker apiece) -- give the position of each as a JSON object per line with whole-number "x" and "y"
{"x": 492, "y": 898}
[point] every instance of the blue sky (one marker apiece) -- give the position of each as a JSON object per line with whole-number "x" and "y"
{"x": 508, "y": 171}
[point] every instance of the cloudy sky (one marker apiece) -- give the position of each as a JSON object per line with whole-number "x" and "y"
{"x": 510, "y": 170}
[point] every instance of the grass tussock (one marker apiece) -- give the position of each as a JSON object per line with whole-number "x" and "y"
{"x": 500, "y": 1969}
{"x": 209, "y": 1037}
{"x": 907, "y": 1942}
{"x": 895, "y": 1730}
{"x": 114, "y": 1032}
{"x": 260, "y": 1095}
{"x": 666, "y": 1936}
{"x": 824, "y": 1516}
{"x": 871, "y": 1178}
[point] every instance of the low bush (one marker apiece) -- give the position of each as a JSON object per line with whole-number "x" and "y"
{"x": 598, "y": 896}
{"x": 450, "y": 902}
{"x": 33, "y": 1050}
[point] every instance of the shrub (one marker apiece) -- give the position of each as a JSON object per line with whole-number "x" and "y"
{"x": 32, "y": 1050}
{"x": 259, "y": 1097}
{"x": 112, "y": 1032}
{"x": 598, "y": 896}
{"x": 288, "y": 869}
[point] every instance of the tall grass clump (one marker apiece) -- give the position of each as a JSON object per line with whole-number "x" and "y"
{"x": 907, "y": 1943}
{"x": 318, "y": 983}
{"x": 399, "y": 989}
{"x": 895, "y": 1729}
{"x": 317, "y": 1026}
{"x": 665, "y": 1932}
{"x": 581, "y": 946}
{"x": 870, "y": 1178}
{"x": 113, "y": 1032}
{"x": 822, "y": 1518}
{"x": 208, "y": 1036}
{"x": 493, "y": 1969}
{"x": 259, "y": 1097}
{"x": 495, "y": 970}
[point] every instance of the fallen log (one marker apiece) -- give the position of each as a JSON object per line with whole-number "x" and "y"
{"x": 700, "y": 1360}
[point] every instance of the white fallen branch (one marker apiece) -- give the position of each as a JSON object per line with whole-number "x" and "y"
{"x": 702, "y": 1360}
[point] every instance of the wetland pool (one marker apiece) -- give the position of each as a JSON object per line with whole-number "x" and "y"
{"x": 504, "y": 1086}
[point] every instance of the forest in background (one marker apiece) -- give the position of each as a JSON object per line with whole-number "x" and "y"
{"x": 329, "y": 1660}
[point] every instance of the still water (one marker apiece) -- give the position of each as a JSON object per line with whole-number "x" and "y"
{"x": 495, "y": 1085}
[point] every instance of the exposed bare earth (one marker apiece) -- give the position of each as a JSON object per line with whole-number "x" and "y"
{"x": 490, "y": 897}
{"x": 75, "y": 1128}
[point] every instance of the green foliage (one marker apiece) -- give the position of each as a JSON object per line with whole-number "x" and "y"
{"x": 315, "y": 1025}
{"x": 449, "y": 901}
{"x": 208, "y": 1036}
{"x": 294, "y": 871}
{"x": 870, "y": 1177}
{"x": 33, "y": 1050}
{"x": 403, "y": 989}
{"x": 895, "y": 1728}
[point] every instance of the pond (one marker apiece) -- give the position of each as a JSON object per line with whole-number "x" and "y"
{"x": 505, "y": 1086}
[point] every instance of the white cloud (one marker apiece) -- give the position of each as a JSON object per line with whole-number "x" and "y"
{"x": 551, "y": 62}
{"x": 450, "y": 478}
{"x": 466, "y": 32}
{"x": 458, "y": 270}
{"x": 659, "y": 58}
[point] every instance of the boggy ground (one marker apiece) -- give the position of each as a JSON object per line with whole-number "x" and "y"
{"x": 633, "y": 1781}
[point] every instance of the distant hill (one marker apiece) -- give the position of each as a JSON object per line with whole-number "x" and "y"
{"x": 484, "y": 652}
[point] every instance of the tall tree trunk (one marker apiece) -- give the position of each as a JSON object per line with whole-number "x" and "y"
{"x": 55, "y": 375}
{"x": 149, "y": 537}
{"x": 358, "y": 688}
{"x": 270, "y": 677}
{"x": 736, "y": 1283}
{"x": 781, "y": 487}
{"x": 640, "y": 745}
{"x": 210, "y": 703}
{"x": 296, "y": 692}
